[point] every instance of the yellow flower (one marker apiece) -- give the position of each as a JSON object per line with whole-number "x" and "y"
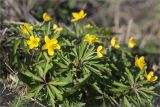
{"x": 150, "y": 76}
{"x": 51, "y": 45}
{"x": 33, "y": 42}
{"x": 100, "y": 51}
{"x": 131, "y": 43}
{"x": 56, "y": 28}
{"x": 26, "y": 28}
{"x": 140, "y": 62}
{"x": 91, "y": 38}
{"x": 88, "y": 25}
{"x": 114, "y": 43}
{"x": 46, "y": 17}
{"x": 78, "y": 16}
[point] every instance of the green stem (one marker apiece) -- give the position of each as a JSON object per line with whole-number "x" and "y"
{"x": 49, "y": 25}
{"x": 77, "y": 30}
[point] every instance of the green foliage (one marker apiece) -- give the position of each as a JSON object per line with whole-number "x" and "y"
{"x": 75, "y": 76}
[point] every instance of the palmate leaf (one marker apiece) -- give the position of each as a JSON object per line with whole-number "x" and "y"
{"x": 66, "y": 42}
{"x": 62, "y": 81}
{"x": 48, "y": 66}
{"x": 61, "y": 67}
{"x": 71, "y": 103}
{"x": 102, "y": 68}
{"x": 33, "y": 92}
{"x": 81, "y": 82}
{"x": 43, "y": 67}
{"x": 64, "y": 58}
{"x": 88, "y": 55}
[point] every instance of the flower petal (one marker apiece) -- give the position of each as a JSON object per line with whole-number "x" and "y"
{"x": 131, "y": 43}
{"x": 46, "y": 39}
{"x": 151, "y": 73}
{"x": 28, "y": 42}
{"x": 44, "y": 47}
{"x": 31, "y": 37}
{"x": 54, "y": 41}
{"x": 154, "y": 78}
{"x": 37, "y": 39}
{"x": 46, "y": 17}
{"x": 57, "y": 46}
{"x": 51, "y": 52}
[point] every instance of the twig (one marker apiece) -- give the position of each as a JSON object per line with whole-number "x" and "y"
{"x": 129, "y": 29}
{"x": 4, "y": 31}
{"x": 4, "y": 87}
{"x": 13, "y": 22}
{"x": 38, "y": 102}
{"x": 21, "y": 10}
{"x": 117, "y": 15}
{"x": 1, "y": 37}
{"x": 9, "y": 68}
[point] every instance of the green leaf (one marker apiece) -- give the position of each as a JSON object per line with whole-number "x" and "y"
{"x": 33, "y": 92}
{"x": 71, "y": 103}
{"x": 138, "y": 96}
{"x": 48, "y": 66}
{"x": 144, "y": 94}
{"x": 114, "y": 67}
{"x": 46, "y": 56}
{"x": 129, "y": 76}
{"x": 82, "y": 49}
{"x": 106, "y": 101}
{"x": 126, "y": 102}
{"x": 82, "y": 81}
{"x": 146, "y": 90}
{"x": 98, "y": 72}
{"x": 119, "y": 84}
{"x": 40, "y": 71}
{"x": 61, "y": 65}
{"x": 57, "y": 92}
{"x": 97, "y": 88}
{"x": 33, "y": 76}
{"x": 16, "y": 46}
{"x": 139, "y": 74}
{"x": 51, "y": 97}
{"x": 62, "y": 81}
{"x": 67, "y": 42}
{"x": 88, "y": 55}
{"x": 64, "y": 59}
{"x": 119, "y": 90}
